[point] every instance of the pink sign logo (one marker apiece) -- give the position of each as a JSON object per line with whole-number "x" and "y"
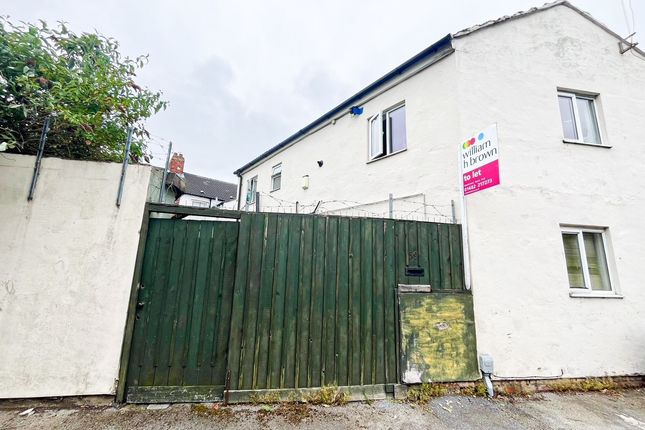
{"x": 480, "y": 161}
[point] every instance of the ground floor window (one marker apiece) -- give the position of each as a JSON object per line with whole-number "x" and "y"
{"x": 586, "y": 257}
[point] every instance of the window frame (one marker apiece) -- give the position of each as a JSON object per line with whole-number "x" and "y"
{"x": 199, "y": 203}
{"x": 586, "y": 291}
{"x": 275, "y": 175}
{"x": 385, "y": 133}
{"x": 576, "y": 117}
{"x": 253, "y": 180}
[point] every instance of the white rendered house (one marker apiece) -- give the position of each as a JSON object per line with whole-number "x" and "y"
{"x": 556, "y": 250}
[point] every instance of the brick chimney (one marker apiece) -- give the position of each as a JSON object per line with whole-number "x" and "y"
{"x": 177, "y": 164}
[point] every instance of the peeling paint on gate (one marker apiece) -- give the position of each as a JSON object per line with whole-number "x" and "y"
{"x": 437, "y": 337}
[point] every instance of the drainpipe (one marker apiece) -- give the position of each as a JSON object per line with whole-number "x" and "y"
{"x": 239, "y": 190}
{"x": 486, "y": 366}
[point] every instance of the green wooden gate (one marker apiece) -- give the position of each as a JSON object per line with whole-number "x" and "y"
{"x": 182, "y": 317}
{"x": 315, "y": 297}
{"x": 268, "y": 301}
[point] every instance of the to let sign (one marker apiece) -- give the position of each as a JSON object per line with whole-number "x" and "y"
{"x": 479, "y": 161}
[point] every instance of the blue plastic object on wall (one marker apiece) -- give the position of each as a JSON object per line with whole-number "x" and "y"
{"x": 356, "y": 110}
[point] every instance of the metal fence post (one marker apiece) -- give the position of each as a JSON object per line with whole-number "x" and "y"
{"x": 39, "y": 157}
{"x": 165, "y": 174}
{"x": 391, "y": 205}
{"x": 454, "y": 211}
{"x": 124, "y": 167}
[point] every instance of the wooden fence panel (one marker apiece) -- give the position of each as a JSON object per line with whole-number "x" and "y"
{"x": 319, "y": 296}
{"x": 279, "y": 301}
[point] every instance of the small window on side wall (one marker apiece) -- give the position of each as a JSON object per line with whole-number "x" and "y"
{"x": 586, "y": 260}
{"x": 276, "y": 177}
{"x": 387, "y": 133}
{"x": 579, "y": 118}
{"x": 251, "y": 189}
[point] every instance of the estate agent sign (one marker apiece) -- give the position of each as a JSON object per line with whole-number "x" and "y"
{"x": 479, "y": 161}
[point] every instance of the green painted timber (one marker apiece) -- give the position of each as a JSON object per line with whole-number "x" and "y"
{"x": 268, "y": 301}
{"x": 355, "y": 393}
{"x": 183, "y": 311}
{"x": 315, "y": 298}
{"x": 437, "y": 337}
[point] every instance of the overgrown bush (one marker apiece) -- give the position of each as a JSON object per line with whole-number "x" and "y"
{"x": 82, "y": 82}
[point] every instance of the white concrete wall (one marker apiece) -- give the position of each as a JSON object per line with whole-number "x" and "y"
{"x": 509, "y": 74}
{"x": 67, "y": 262}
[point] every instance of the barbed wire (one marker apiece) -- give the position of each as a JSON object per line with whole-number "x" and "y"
{"x": 412, "y": 210}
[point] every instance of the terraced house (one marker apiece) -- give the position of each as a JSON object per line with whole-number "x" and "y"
{"x": 555, "y": 250}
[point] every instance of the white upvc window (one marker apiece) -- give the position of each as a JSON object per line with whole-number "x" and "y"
{"x": 276, "y": 177}
{"x": 585, "y": 251}
{"x": 387, "y": 132}
{"x": 199, "y": 203}
{"x": 251, "y": 189}
{"x": 579, "y": 117}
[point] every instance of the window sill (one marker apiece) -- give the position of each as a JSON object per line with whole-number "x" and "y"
{"x": 386, "y": 156}
{"x": 273, "y": 191}
{"x": 594, "y": 295}
{"x": 577, "y": 142}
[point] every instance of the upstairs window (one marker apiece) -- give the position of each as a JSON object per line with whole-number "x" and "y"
{"x": 276, "y": 177}
{"x": 387, "y": 132}
{"x": 579, "y": 118}
{"x": 586, "y": 258}
{"x": 251, "y": 188}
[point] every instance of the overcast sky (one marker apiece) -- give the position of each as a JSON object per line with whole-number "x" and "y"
{"x": 243, "y": 75}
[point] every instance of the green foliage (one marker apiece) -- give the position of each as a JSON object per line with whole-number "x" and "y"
{"x": 328, "y": 395}
{"x": 477, "y": 389}
{"x": 424, "y": 392}
{"x": 584, "y": 385}
{"x": 82, "y": 81}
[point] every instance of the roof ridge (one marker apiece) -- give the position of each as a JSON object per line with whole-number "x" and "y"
{"x": 211, "y": 179}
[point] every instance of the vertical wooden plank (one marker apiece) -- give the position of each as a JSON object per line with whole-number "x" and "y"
{"x": 317, "y": 292}
{"x": 128, "y": 332}
{"x": 226, "y": 288}
{"x": 391, "y": 322}
{"x": 195, "y": 331}
{"x": 163, "y": 338}
{"x": 412, "y": 250}
{"x": 401, "y": 252}
{"x": 145, "y": 296}
{"x": 159, "y": 286}
{"x": 289, "y": 346}
{"x": 456, "y": 257}
{"x": 329, "y": 303}
{"x": 444, "y": 256}
{"x": 355, "y": 355}
{"x": 366, "y": 303}
{"x": 256, "y": 247}
{"x": 304, "y": 301}
{"x": 264, "y": 306}
{"x": 424, "y": 249}
{"x": 378, "y": 311}
{"x": 274, "y": 350}
{"x": 435, "y": 257}
{"x": 214, "y": 238}
{"x": 235, "y": 342}
{"x": 183, "y": 312}
{"x": 342, "y": 303}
